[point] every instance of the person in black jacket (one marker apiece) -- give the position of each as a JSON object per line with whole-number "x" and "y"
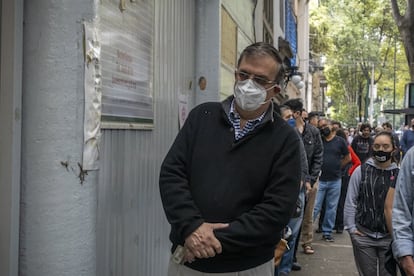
{"x": 288, "y": 261}
{"x": 362, "y": 143}
{"x": 230, "y": 181}
{"x": 312, "y": 141}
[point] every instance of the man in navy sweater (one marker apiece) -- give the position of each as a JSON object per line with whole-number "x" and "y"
{"x": 230, "y": 181}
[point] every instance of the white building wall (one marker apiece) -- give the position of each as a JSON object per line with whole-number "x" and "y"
{"x": 303, "y": 51}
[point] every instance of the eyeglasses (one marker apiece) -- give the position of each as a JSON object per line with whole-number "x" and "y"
{"x": 241, "y": 75}
{"x": 384, "y": 146}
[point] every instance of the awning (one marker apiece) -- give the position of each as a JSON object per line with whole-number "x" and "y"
{"x": 407, "y": 111}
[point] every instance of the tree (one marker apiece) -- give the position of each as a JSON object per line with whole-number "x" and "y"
{"x": 405, "y": 24}
{"x": 357, "y": 37}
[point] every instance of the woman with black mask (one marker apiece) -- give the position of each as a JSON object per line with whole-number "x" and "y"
{"x": 364, "y": 207}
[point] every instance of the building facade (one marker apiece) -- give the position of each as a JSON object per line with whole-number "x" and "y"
{"x": 92, "y": 95}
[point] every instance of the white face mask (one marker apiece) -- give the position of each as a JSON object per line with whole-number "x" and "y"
{"x": 249, "y": 95}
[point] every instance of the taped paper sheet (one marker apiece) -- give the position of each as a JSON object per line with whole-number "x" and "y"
{"x": 93, "y": 98}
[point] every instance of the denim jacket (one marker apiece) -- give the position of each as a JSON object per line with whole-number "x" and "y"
{"x": 403, "y": 209}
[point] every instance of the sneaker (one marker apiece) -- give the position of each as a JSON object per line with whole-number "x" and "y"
{"x": 319, "y": 230}
{"x": 296, "y": 266}
{"x": 339, "y": 231}
{"x": 328, "y": 238}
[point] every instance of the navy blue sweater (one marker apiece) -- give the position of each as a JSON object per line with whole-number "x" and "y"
{"x": 252, "y": 184}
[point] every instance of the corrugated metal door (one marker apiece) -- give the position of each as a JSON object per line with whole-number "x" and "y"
{"x": 132, "y": 232}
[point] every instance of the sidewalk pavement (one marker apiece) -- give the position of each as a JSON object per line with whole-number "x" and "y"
{"x": 330, "y": 258}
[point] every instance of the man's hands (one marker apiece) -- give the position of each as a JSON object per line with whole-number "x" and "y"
{"x": 407, "y": 263}
{"x": 202, "y": 243}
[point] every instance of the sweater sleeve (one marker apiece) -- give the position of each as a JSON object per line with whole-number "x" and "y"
{"x": 402, "y": 211}
{"x": 351, "y": 201}
{"x": 263, "y": 224}
{"x": 179, "y": 206}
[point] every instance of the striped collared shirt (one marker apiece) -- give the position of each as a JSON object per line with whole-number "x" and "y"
{"x": 234, "y": 118}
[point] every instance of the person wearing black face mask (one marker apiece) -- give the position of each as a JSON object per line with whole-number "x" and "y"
{"x": 364, "y": 215}
{"x": 335, "y": 156}
{"x": 325, "y": 131}
{"x": 362, "y": 143}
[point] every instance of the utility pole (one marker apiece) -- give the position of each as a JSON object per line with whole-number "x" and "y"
{"x": 393, "y": 95}
{"x": 371, "y": 97}
{"x": 323, "y": 85}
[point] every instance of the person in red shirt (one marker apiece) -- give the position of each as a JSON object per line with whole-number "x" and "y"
{"x": 346, "y": 175}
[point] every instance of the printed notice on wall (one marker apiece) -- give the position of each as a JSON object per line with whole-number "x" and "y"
{"x": 126, "y": 59}
{"x": 182, "y": 109}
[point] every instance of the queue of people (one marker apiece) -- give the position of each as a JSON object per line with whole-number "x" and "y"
{"x": 243, "y": 173}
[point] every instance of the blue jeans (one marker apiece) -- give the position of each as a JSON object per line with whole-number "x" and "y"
{"x": 294, "y": 224}
{"x": 328, "y": 191}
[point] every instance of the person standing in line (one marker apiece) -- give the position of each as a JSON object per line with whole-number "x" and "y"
{"x": 397, "y": 153}
{"x": 362, "y": 143}
{"x": 304, "y": 115}
{"x": 351, "y": 135}
{"x": 347, "y": 171}
{"x": 312, "y": 142}
{"x": 230, "y": 181}
{"x": 365, "y": 204}
{"x": 403, "y": 215}
{"x": 407, "y": 139}
{"x": 335, "y": 127}
{"x": 377, "y": 130}
{"x": 286, "y": 263}
{"x": 313, "y": 118}
{"x": 335, "y": 156}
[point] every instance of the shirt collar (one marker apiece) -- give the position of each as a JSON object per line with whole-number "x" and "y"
{"x": 235, "y": 115}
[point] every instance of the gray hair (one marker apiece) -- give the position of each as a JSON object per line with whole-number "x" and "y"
{"x": 264, "y": 49}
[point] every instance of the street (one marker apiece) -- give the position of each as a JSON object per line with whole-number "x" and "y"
{"x": 330, "y": 258}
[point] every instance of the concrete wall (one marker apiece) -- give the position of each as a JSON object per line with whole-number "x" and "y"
{"x": 58, "y": 212}
{"x": 11, "y": 15}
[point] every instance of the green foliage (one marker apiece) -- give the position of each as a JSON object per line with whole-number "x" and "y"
{"x": 354, "y": 37}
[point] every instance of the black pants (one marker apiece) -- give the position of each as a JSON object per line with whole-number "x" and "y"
{"x": 339, "y": 221}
